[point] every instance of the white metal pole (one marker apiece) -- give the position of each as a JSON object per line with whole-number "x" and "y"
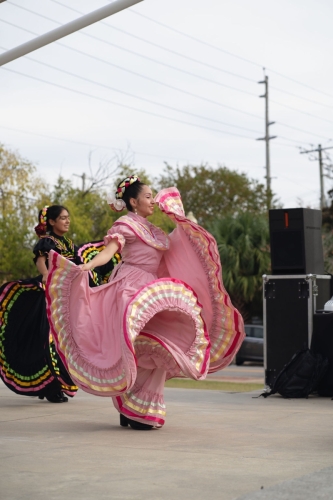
{"x": 67, "y": 29}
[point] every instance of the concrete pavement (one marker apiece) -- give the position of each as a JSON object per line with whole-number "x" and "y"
{"x": 315, "y": 486}
{"x": 214, "y": 444}
{"x": 247, "y": 373}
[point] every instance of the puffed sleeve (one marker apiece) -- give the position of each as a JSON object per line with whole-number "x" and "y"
{"x": 121, "y": 233}
{"x": 42, "y": 248}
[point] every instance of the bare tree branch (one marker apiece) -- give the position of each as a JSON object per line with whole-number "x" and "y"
{"x": 103, "y": 176}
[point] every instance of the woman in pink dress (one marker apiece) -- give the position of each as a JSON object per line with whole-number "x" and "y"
{"x": 163, "y": 314}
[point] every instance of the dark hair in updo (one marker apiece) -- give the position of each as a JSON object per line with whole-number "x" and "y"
{"x": 53, "y": 213}
{"x": 132, "y": 191}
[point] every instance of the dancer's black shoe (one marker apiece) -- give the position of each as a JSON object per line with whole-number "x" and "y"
{"x": 55, "y": 398}
{"x": 138, "y": 426}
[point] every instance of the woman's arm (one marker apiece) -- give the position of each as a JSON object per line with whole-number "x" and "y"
{"x": 41, "y": 266}
{"x": 103, "y": 257}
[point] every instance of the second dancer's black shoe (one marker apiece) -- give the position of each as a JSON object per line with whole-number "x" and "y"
{"x": 55, "y": 398}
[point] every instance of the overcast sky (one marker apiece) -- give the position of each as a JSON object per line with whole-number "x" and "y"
{"x": 173, "y": 81}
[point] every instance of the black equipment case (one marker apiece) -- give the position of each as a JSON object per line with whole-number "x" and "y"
{"x": 322, "y": 343}
{"x": 289, "y": 305}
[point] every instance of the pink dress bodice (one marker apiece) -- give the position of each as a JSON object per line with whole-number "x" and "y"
{"x": 141, "y": 244}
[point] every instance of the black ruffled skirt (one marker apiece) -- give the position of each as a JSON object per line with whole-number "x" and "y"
{"x": 29, "y": 363}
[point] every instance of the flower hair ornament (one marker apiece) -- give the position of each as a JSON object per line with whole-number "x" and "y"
{"x": 116, "y": 204}
{"x": 115, "y": 199}
{"x": 40, "y": 229}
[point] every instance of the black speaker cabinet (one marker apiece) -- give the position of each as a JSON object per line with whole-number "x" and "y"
{"x": 289, "y": 304}
{"x": 322, "y": 343}
{"x": 296, "y": 245}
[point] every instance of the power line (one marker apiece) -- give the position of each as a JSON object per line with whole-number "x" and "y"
{"x": 80, "y": 143}
{"x": 154, "y": 114}
{"x": 162, "y": 83}
{"x": 288, "y": 138}
{"x": 195, "y": 60}
{"x": 156, "y": 61}
{"x": 137, "y": 97}
{"x": 303, "y": 112}
{"x": 291, "y": 180}
{"x": 177, "y": 53}
{"x": 285, "y": 145}
{"x": 154, "y": 102}
{"x": 301, "y": 130}
{"x": 133, "y": 11}
{"x": 190, "y": 37}
{"x": 302, "y": 98}
{"x": 299, "y": 83}
{"x": 221, "y": 50}
{"x": 107, "y": 87}
{"x": 124, "y": 105}
{"x": 156, "y": 81}
{"x": 138, "y": 38}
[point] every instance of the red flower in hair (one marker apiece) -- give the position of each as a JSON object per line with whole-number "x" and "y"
{"x": 40, "y": 229}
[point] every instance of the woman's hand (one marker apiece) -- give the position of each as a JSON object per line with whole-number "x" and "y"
{"x": 86, "y": 267}
{"x": 102, "y": 258}
{"x": 44, "y": 278}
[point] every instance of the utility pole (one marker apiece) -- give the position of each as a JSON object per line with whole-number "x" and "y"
{"x": 319, "y": 150}
{"x": 267, "y": 138}
{"x": 83, "y": 177}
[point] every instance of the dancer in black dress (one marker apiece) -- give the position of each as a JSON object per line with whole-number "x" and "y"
{"x": 29, "y": 363}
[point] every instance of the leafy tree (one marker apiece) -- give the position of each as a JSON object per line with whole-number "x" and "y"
{"x": 243, "y": 243}
{"x": 210, "y": 193}
{"x": 328, "y": 251}
{"x": 20, "y": 192}
{"x": 90, "y": 214}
